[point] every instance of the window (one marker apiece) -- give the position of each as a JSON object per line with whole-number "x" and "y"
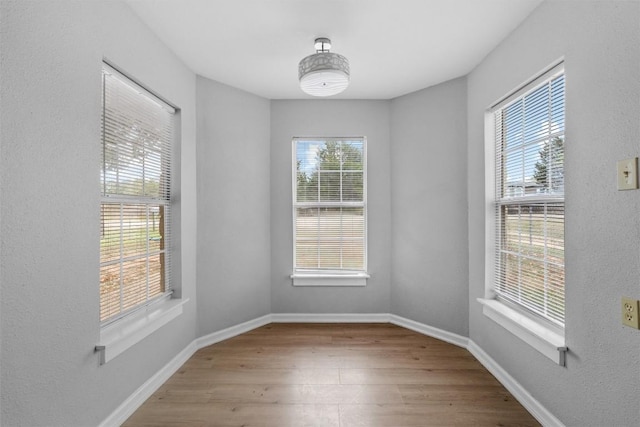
{"x": 135, "y": 217}
{"x": 529, "y": 198}
{"x": 329, "y": 205}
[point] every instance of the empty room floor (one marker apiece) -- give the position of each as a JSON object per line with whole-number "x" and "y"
{"x": 331, "y": 375}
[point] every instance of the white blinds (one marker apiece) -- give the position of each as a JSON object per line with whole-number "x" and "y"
{"x": 529, "y": 269}
{"x": 329, "y": 194}
{"x": 137, "y": 136}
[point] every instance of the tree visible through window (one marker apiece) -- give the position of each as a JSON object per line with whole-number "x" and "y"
{"x": 530, "y": 199}
{"x": 329, "y": 204}
{"x": 137, "y": 134}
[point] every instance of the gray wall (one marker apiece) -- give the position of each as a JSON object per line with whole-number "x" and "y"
{"x": 234, "y": 254}
{"x": 429, "y": 207}
{"x": 331, "y": 118}
{"x": 49, "y": 175}
{"x": 49, "y": 162}
{"x": 600, "y": 43}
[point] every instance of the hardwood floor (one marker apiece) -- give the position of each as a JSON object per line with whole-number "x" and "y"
{"x": 331, "y": 375}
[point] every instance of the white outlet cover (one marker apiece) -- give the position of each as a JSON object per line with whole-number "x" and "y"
{"x": 627, "y": 172}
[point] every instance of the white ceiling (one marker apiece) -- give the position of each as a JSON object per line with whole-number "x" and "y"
{"x": 394, "y": 46}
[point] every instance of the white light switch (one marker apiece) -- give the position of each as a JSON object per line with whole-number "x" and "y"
{"x": 628, "y": 174}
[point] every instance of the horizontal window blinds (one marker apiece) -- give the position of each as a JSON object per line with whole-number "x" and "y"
{"x": 530, "y": 140}
{"x": 329, "y": 194}
{"x": 135, "y": 218}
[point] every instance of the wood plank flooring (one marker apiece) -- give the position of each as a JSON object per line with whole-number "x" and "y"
{"x": 331, "y": 375}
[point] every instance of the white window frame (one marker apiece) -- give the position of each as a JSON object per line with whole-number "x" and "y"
{"x": 122, "y": 331}
{"x": 542, "y": 335}
{"x": 347, "y": 277}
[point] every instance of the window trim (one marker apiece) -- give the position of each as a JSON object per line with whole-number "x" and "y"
{"x": 542, "y": 335}
{"x": 332, "y": 278}
{"x": 122, "y": 331}
{"x": 538, "y": 335}
{"x": 119, "y": 336}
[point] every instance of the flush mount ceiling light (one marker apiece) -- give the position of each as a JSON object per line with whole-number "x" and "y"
{"x": 323, "y": 73}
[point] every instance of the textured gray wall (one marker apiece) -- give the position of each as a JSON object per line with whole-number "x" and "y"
{"x": 601, "y": 45}
{"x": 234, "y": 254}
{"x": 49, "y": 173}
{"x": 330, "y": 118}
{"x": 429, "y": 207}
{"x": 50, "y": 67}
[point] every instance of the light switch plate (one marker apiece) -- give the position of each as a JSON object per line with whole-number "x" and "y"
{"x": 628, "y": 174}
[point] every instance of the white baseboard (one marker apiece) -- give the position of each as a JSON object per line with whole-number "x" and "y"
{"x": 133, "y": 402}
{"x": 536, "y": 409}
{"x": 430, "y": 331}
{"x": 330, "y": 318}
{"x": 232, "y": 331}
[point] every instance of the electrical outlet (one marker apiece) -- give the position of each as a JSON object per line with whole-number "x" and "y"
{"x": 630, "y": 314}
{"x": 628, "y": 174}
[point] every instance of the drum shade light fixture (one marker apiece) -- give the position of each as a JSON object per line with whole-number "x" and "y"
{"x": 323, "y": 73}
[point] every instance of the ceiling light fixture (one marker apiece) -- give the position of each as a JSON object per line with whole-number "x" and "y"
{"x": 323, "y": 73}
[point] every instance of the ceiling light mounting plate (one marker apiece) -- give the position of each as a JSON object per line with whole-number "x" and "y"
{"x": 322, "y": 44}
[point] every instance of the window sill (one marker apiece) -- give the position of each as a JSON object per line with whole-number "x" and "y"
{"x": 125, "y": 333}
{"x": 329, "y": 279}
{"x": 541, "y": 337}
